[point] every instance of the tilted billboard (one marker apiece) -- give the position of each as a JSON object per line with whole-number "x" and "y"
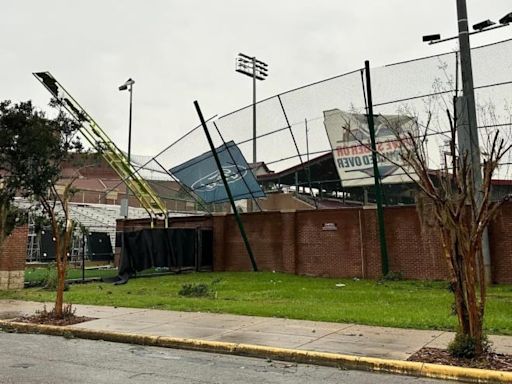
{"x": 349, "y": 137}
{"x": 202, "y": 176}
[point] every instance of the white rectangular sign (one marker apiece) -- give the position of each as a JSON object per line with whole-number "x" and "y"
{"x": 350, "y": 142}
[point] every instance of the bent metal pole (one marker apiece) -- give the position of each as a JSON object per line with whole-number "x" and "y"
{"x": 226, "y": 185}
{"x": 376, "y": 174}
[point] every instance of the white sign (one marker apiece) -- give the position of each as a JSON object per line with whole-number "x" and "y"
{"x": 329, "y": 227}
{"x": 350, "y": 142}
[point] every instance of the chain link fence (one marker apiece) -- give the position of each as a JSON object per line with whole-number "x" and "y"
{"x": 291, "y": 135}
{"x": 291, "y": 129}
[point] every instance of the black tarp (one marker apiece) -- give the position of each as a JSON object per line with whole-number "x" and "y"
{"x": 99, "y": 247}
{"x": 47, "y": 245}
{"x": 205, "y": 261}
{"x": 173, "y": 248}
{"x": 47, "y": 250}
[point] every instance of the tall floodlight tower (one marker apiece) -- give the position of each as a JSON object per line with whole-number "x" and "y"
{"x": 258, "y": 70}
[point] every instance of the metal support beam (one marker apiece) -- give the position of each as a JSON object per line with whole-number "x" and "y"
{"x": 471, "y": 133}
{"x": 226, "y": 185}
{"x": 100, "y": 141}
{"x": 376, "y": 174}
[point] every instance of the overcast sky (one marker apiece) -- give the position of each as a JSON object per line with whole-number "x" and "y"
{"x": 181, "y": 51}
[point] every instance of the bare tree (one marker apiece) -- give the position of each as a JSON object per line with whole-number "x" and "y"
{"x": 461, "y": 213}
{"x": 461, "y": 216}
{"x": 447, "y": 198}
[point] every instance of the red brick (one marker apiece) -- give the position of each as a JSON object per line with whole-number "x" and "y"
{"x": 294, "y": 242}
{"x": 14, "y": 250}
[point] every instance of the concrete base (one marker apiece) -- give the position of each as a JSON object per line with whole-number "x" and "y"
{"x": 12, "y": 280}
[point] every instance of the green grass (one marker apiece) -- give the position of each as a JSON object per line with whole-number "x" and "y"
{"x": 404, "y": 304}
{"x": 34, "y": 275}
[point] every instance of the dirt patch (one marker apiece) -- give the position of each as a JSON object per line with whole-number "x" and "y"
{"x": 9, "y": 315}
{"x": 49, "y": 318}
{"x": 493, "y": 361}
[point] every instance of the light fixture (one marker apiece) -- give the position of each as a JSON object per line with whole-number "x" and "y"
{"x": 431, "y": 37}
{"x": 506, "y": 19}
{"x": 128, "y": 82}
{"x": 483, "y": 24}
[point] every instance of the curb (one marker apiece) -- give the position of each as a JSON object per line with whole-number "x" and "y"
{"x": 470, "y": 375}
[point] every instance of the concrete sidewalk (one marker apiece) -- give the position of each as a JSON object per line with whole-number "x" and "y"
{"x": 350, "y": 339}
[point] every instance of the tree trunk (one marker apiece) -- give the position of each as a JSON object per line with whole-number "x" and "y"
{"x": 63, "y": 240}
{"x": 464, "y": 280}
{"x": 59, "y": 297}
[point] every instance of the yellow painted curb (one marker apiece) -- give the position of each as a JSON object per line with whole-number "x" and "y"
{"x": 470, "y": 375}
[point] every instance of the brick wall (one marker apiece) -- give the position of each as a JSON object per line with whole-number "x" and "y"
{"x": 500, "y": 240}
{"x": 332, "y": 252}
{"x": 265, "y": 236}
{"x": 336, "y": 243}
{"x": 12, "y": 259}
{"x": 340, "y": 242}
{"x": 415, "y": 250}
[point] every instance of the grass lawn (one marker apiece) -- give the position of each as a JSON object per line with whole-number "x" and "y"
{"x": 39, "y": 274}
{"x": 405, "y": 304}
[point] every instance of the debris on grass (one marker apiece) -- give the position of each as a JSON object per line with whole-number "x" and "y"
{"x": 49, "y": 318}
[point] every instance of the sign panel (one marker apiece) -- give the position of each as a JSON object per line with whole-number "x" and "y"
{"x": 202, "y": 176}
{"x": 350, "y": 142}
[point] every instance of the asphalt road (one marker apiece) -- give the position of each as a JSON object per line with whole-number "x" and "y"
{"x": 49, "y": 359}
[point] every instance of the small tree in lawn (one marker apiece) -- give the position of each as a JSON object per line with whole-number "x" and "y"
{"x": 55, "y": 200}
{"x": 448, "y": 197}
{"x": 40, "y": 148}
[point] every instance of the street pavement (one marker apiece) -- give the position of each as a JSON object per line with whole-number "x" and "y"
{"x": 351, "y": 339}
{"x": 41, "y": 359}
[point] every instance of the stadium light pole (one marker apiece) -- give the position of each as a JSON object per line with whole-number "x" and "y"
{"x": 128, "y": 85}
{"x": 258, "y": 70}
{"x": 468, "y": 138}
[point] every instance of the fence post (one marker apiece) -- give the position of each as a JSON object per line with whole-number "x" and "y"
{"x": 228, "y": 190}
{"x": 376, "y": 174}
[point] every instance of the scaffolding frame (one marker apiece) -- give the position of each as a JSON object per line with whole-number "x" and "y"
{"x": 102, "y": 143}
